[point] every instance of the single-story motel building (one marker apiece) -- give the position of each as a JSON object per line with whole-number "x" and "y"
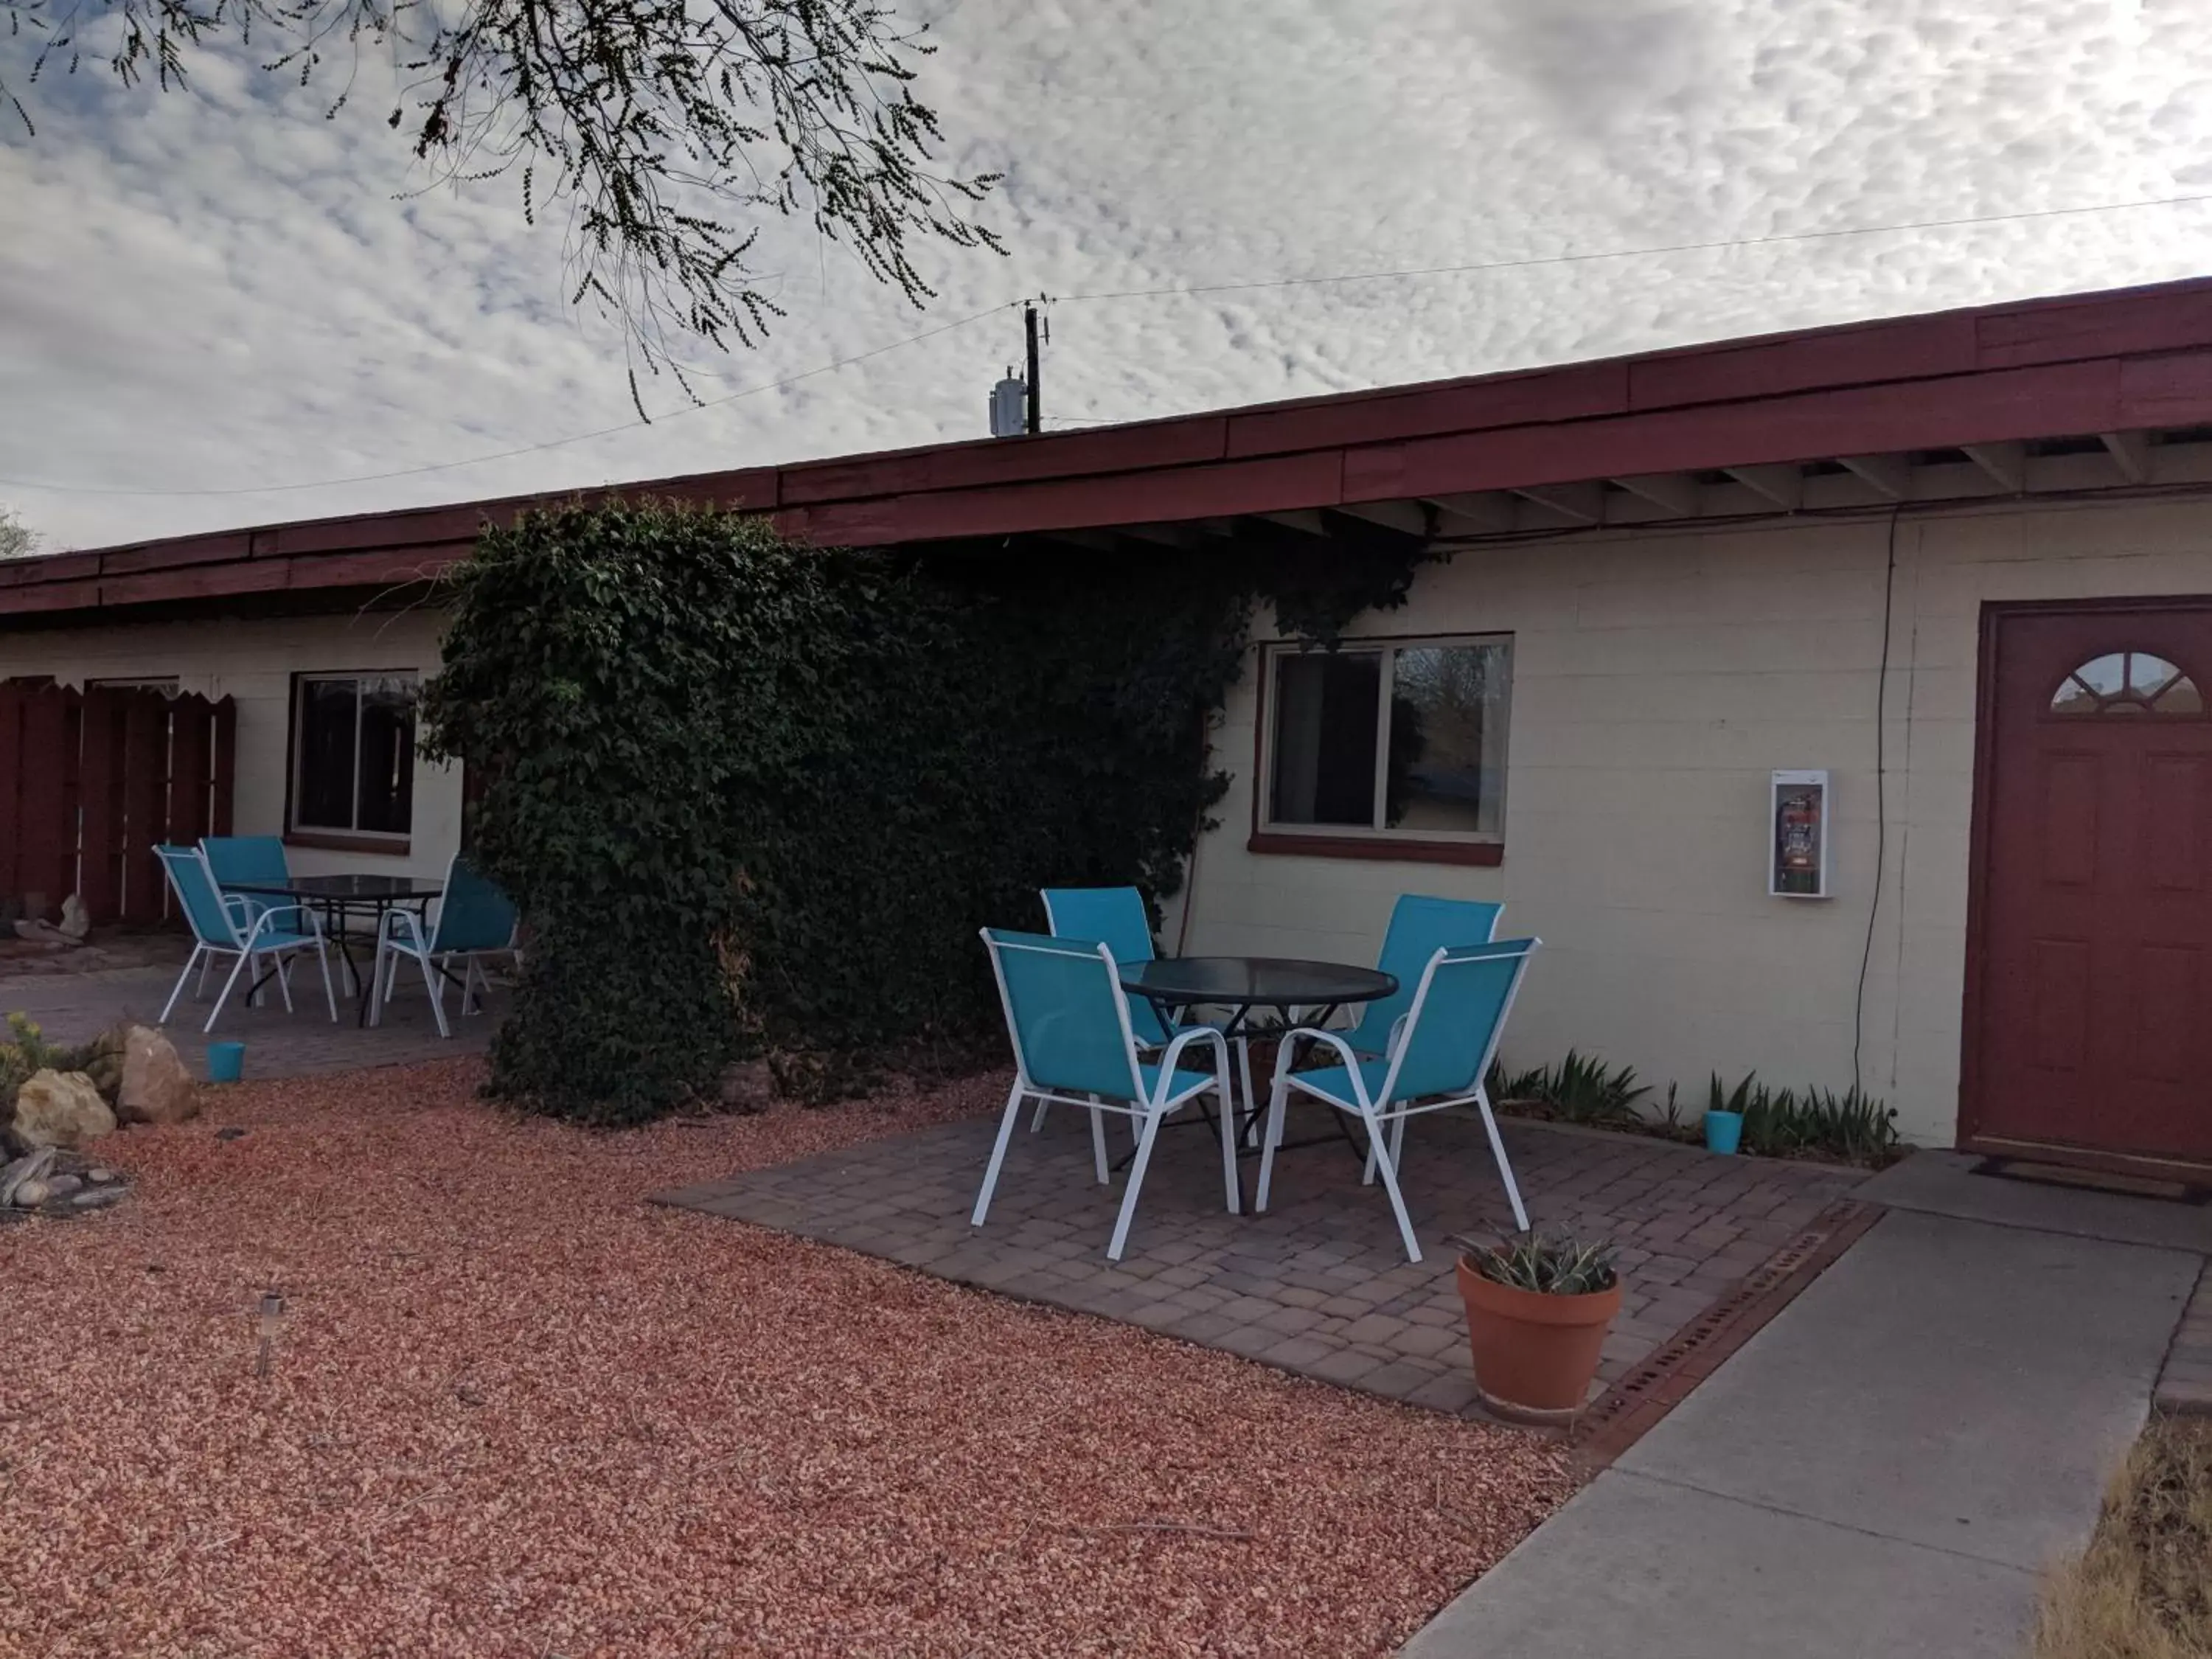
{"x": 1829, "y": 702}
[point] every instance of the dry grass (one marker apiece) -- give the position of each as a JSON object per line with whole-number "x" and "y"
{"x": 511, "y": 1409}
{"x": 2143, "y": 1588}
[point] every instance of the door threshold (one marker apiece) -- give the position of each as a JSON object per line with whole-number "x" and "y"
{"x": 2165, "y": 1189}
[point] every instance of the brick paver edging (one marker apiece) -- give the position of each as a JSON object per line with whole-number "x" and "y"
{"x": 1634, "y": 1406}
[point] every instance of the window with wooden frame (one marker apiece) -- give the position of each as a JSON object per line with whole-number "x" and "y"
{"x": 352, "y": 780}
{"x": 1391, "y": 749}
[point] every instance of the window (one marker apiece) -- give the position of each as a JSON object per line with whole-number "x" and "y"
{"x": 353, "y": 755}
{"x": 2127, "y": 683}
{"x": 1398, "y": 742}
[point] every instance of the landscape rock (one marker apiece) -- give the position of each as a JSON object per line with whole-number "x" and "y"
{"x": 30, "y": 1194}
{"x": 154, "y": 1087}
{"x": 748, "y": 1086}
{"x": 62, "y": 1186}
{"x": 32, "y": 1166}
{"x": 93, "y": 1197}
{"x": 77, "y": 922}
{"x": 61, "y": 1108}
{"x": 98, "y": 1176}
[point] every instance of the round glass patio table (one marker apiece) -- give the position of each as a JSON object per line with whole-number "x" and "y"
{"x": 1242, "y": 984}
{"x": 338, "y": 896}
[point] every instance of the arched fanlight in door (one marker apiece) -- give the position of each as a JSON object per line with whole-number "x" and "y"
{"x": 2127, "y": 683}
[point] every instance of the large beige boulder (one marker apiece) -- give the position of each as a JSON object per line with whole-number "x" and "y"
{"x": 155, "y": 1088}
{"x": 61, "y": 1108}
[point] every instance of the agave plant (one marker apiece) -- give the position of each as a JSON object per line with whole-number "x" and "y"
{"x": 1580, "y": 1089}
{"x": 1560, "y": 1266}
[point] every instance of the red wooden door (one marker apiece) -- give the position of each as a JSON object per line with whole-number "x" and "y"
{"x": 2094, "y": 1021}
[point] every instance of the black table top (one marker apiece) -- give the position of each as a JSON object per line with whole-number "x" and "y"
{"x": 352, "y": 888}
{"x": 1256, "y": 981}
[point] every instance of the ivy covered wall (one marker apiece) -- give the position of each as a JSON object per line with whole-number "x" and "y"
{"x": 757, "y": 799}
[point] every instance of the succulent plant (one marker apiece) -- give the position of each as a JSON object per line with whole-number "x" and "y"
{"x": 1560, "y": 1266}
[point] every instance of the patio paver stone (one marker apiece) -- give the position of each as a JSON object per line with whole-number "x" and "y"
{"x": 1319, "y": 1284}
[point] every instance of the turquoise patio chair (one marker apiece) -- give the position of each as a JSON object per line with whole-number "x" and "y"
{"x": 1419, "y": 924}
{"x": 1073, "y": 1043}
{"x": 1460, "y": 1003}
{"x": 230, "y": 926}
{"x": 1114, "y": 917}
{"x": 235, "y": 859}
{"x": 475, "y": 919}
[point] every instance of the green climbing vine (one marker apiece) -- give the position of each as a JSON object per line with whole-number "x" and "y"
{"x": 754, "y": 798}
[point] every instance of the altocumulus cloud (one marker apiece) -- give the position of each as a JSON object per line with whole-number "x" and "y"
{"x": 226, "y": 290}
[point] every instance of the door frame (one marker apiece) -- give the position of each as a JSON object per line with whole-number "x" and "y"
{"x": 1970, "y": 1137}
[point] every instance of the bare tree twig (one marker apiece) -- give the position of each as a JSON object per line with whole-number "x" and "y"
{"x": 669, "y": 131}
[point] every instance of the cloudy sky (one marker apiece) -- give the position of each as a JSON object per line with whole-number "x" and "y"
{"x": 203, "y": 295}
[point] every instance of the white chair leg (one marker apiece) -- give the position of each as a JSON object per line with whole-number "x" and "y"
{"x": 1375, "y": 1134}
{"x": 1097, "y": 1145}
{"x": 998, "y": 1155}
{"x": 1251, "y": 1103}
{"x": 430, "y": 983}
{"x": 199, "y": 958}
{"x": 207, "y": 961}
{"x": 1504, "y": 1169}
{"x": 1037, "y": 1118}
{"x": 1228, "y": 1133}
{"x": 323, "y": 954}
{"x": 377, "y": 991}
{"x": 223, "y": 996}
{"x": 284, "y": 960}
{"x": 1149, "y": 1134}
{"x": 1278, "y": 1104}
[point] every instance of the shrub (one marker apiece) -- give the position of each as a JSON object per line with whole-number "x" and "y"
{"x": 1786, "y": 1122}
{"x": 757, "y": 799}
{"x": 1580, "y": 1089}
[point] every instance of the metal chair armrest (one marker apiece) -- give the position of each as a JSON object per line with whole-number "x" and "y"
{"x": 1316, "y": 1034}
{"x": 312, "y": 927}
{"x": 1187, "y": 1035}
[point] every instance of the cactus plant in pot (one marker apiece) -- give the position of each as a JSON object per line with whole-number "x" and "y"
{"x": 1538, "y": 1309}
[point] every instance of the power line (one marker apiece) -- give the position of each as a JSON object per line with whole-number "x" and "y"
{"x": 1191, "y": 290}
{"x": 1631, "y": 252}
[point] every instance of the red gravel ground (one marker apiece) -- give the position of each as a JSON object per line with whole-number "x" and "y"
{"x": 510, "y": 1409}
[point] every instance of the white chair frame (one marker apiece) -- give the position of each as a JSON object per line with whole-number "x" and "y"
{"x": 1145, "y": 1110}
{"x": 249, "y": 924}
{"x": 391, "y": 947}
{"x": 1386, "y": 1124}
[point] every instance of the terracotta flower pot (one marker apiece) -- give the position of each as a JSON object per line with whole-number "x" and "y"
{"x": 1535, "y": 1355}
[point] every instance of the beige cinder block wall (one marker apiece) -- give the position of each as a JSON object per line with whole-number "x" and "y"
{"x": 1658, "y": 678}
{"x": 253, "y": 661}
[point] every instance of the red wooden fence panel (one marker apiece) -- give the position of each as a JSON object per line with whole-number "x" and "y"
{"x": 91, "y": 781}
{"x": 100, "y": 868}
{"x": 145, "y": 798}
{"x": 46, "y": 861}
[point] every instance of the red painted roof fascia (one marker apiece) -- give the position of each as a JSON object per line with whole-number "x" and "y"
{"x": 2038, "y": 368}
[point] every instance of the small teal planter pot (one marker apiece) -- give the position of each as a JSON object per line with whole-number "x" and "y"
{"x": 226, "y": 1063}
{"x": 1724, "y": 1130}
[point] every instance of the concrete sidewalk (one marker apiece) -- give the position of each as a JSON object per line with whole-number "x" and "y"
{"x": 1885, "y": 1469}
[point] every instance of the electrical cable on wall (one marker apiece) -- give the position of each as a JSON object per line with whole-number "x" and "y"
{"x": 1880, "y": 795}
